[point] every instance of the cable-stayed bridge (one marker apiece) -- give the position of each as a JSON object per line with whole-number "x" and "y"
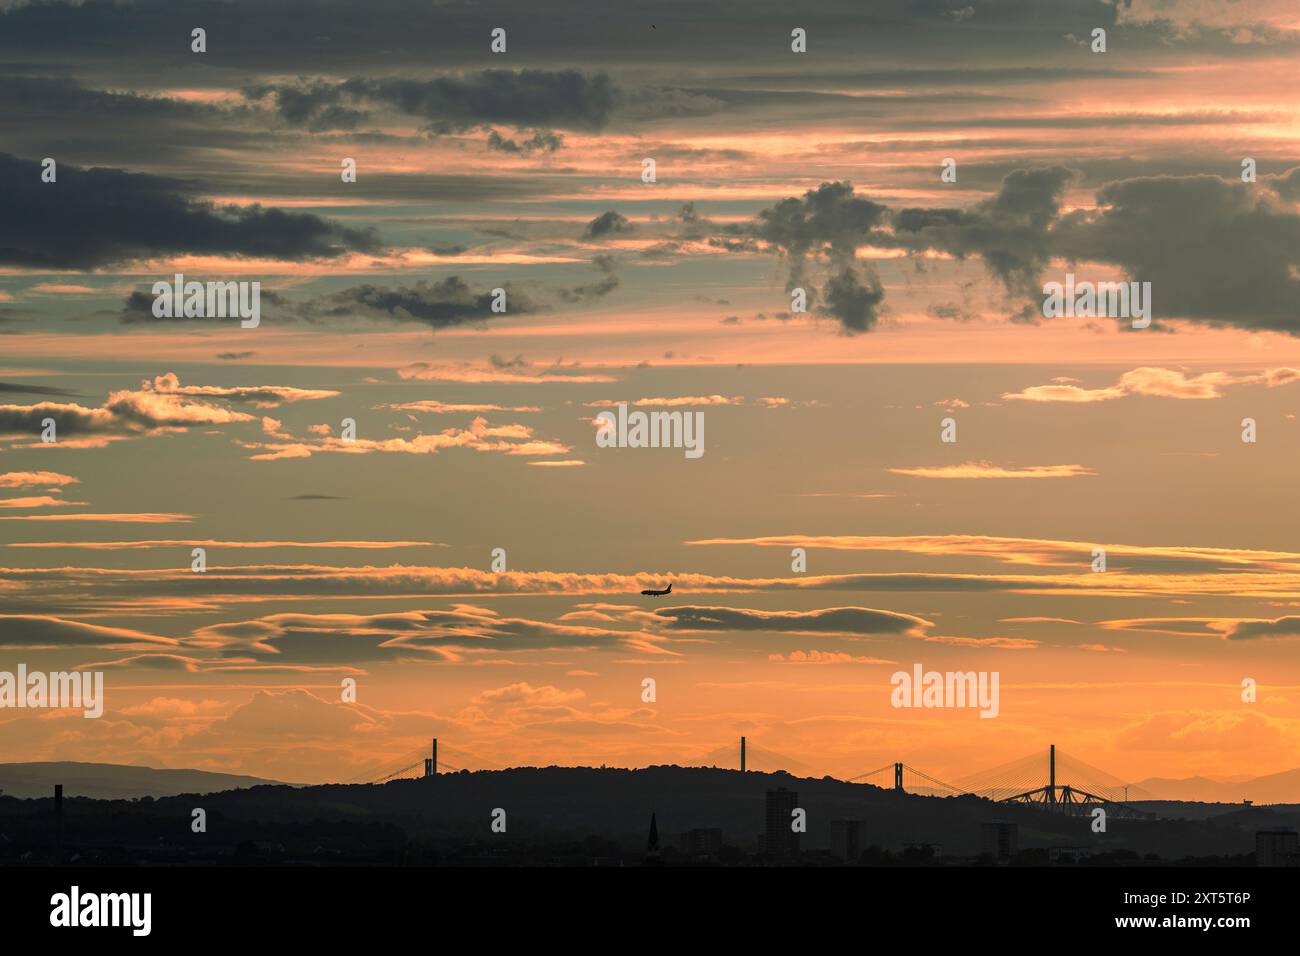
{"x": 750, "y": 756}
{"x": 1053, "y": 781}
{"x": 1068, "y": 781}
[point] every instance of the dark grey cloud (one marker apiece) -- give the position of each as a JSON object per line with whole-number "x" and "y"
{"x": 16, "y": 388}
{"x": 449, "y": 187}
{"x": 442, "y": 304}
{"x": 855, "y": 304}
{"x": 153, "y": 662}
{"x": 542, "y": 141}
{"x": 28, "y": 99}
{"x": 830, "y": 222}
{"x": 1008, "y": 231}
{"x": 315, "y": 106}
{"x": 602, "y": 287}
{"x": 297, "y": 38}
{"x": 90, "y": 218}
{"x": 1249, "y": 630}
{"x": 567, "y": 99}
{"x": 829, "y": 218}
{"x": 835, "y": 620}
{"x": 73, "y": 590}
{"x": 40, "y": 631}
{"x": 1217, "y": 251}
{"x": 605, "y": 224}
{"x": 1093, "y": 172}
{"x": 409, "y": 635}
{"x": 450, "y": 301}
{"x": 138, "y": 307}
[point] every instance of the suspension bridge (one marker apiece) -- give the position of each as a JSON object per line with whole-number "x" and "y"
{"x": 1053, "y": 781}
{"x": 424, "y": 763}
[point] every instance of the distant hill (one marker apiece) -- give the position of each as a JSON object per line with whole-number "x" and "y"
{"x": 108, "y": 781}
{"x": 1281, "y": 787}
{"x": 576, "y": 813}
{"x": 555, "y": 802}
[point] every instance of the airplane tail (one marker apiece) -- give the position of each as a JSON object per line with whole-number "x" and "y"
{"x": 670, "y": 588}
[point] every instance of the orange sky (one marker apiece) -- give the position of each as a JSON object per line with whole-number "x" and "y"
{"x": 370, "y": 559}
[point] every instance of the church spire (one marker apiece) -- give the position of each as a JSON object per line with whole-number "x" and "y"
{"x": 652, "y": 844}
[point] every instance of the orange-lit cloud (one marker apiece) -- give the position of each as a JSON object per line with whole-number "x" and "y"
{"x": 1042, "y": 552}
{"x": 986, "y": 469}
{"x": 1159, "y": 382}
{"x": 231, "y": 545}
{"x": 35, "y": 479}
{"x": 441, "y": 408}
{"x": 672, "y": 402}
{"x": 511, "y": 439}
{"x": 825, "y": 657}
{"x": 134, "y": 518}
{"x": 424, "y": 372}
{"x": 41, "y": 501}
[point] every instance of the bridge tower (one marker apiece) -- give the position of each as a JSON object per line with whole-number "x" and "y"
{"x": 431, "y": 763}
{"x": 898, "y": 776}
{"x": 1051, "y": 774}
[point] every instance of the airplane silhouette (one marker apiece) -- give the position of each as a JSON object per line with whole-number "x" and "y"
{"x": 651, "y": 592}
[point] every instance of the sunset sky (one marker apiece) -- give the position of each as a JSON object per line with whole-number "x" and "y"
{"x": 371, "y": 559}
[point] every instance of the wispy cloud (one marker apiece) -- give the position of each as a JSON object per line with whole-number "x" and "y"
{"x": 433, "y": 407}
{"x": 426, "y": 372}
{"x": 510, "y": 440}
{"x": 35, "y": 479}
{"x": 41, "y": 501}
{"x": 671, "y": 402}
{"x": 986, "y": 469}
{"x": 1039, "y": 552}
{"x": 225, "y": 545}
{"x": 120, "y": 518}
{"x": 32, "y": 631}
{"x": 1157, "y": 382}
{"x": 825, "y": 657}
